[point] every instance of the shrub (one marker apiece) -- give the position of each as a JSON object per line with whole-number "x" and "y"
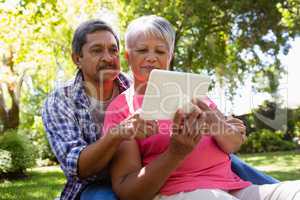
{"x": 21, "y": 151}
{"x": 5, "y": 161}
{"x": 36, "y": 133}
{"x": 266, "y": 141}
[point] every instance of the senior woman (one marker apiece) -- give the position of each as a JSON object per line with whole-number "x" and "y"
{"x": 173, "y": 159}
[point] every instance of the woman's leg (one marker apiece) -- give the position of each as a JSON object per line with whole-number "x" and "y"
{"x": 205, "y": 194}
{"x": 288, "y": 190}
{"x": 248, "y": 173}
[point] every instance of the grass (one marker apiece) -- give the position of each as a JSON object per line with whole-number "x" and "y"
{"x": 46, "y": 183}
{"x": 280, "y": 165}
{"x": 42, "y": 183}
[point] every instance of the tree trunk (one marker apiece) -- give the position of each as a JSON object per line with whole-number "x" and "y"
{"x": 10, "y": 118}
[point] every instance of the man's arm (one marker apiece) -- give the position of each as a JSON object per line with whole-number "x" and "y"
{"x": 96, "y": 156}
{"x": 77, "y": 158}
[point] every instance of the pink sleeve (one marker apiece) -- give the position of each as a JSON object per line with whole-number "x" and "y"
{"x": 210, "y": 103}
{"x": 115, "y": 113}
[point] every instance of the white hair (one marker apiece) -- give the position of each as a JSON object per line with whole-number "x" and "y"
{"x": 149, "y": 26}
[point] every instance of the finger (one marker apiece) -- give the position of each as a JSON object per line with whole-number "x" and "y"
{"x": 202, "y": 105}
{"x": 177, "y": 121}
{"x": 151, "y": 128}
{"x": 197, "y": 138}
{"x": 192, "y": 122}
{"x": 235, "y": 120}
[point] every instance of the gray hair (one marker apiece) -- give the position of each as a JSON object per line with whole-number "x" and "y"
{"x": 151, "y": 25}
{"x": 90, "y": 26}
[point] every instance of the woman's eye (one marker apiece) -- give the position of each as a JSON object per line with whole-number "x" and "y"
{"x": 160, "y": 51}
{"x": 141, "y": 50}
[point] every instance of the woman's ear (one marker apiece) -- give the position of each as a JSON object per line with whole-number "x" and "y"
{"x": 76, "y": 59}
{"x": 171, "y": 58}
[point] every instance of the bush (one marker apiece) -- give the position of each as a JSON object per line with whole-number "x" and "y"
{"x": 22, "y": 153}
{"x": 36, "y": 133}
{"x": 266, "y": 141}
{"x": 5, "y": 161}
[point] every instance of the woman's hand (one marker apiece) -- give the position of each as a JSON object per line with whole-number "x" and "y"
{"x": 239, "y": 125}
{"x": 135, "y": 127}
{"x": 186, "y": 132}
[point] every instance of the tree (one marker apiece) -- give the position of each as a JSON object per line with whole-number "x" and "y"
{"x": 229, "y": 39}
{"x": 35, "y": 38}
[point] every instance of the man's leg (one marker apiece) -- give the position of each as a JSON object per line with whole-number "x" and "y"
{"x": 97, "y": 192}
{"x": 248, "y": 173}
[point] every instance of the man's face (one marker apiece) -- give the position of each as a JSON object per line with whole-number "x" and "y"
{"x": 99, "y": 59}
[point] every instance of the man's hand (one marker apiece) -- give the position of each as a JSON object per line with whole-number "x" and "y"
{"x": 135, "y": 127}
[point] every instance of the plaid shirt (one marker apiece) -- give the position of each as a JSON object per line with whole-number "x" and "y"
{"x": 70, "y": 128}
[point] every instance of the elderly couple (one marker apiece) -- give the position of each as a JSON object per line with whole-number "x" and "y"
{"x": 108, "y": 152}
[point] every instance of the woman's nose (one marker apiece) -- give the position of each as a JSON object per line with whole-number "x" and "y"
{"x": 151, "y": 57}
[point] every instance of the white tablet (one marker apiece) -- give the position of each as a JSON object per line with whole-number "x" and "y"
{"x": 168, "y": 90}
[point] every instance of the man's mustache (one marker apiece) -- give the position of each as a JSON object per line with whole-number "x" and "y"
{"x": 106, "y": 66}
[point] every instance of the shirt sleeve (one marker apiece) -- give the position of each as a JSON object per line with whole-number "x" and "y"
{"x": 64, "y": 134}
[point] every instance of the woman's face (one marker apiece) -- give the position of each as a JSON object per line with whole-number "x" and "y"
{"x": 146, "y": 54}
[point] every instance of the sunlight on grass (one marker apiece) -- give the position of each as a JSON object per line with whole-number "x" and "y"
{"x": 281, "y": 165}
{"x": 46, "y": 183}
{"x": 42, "y": 183}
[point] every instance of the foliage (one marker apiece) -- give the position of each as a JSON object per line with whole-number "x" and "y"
{"x": 34, "y": 129}
{"x": 21, "y": 151}
{"x": 5, "y": 161}
{"x": 266, "y": 141}
{"x": 290, "y": 122}
{"x": 229, "y": 39}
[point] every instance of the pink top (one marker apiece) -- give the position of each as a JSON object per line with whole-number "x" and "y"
{"x": 207, "y": 166}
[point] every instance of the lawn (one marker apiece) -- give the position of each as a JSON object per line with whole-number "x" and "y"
{"x": 46, "y": 183}
{"x": 42, "y": 183}
{"x": 281, "y": 165}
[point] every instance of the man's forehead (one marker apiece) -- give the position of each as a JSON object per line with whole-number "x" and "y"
{"x": 101, "y": 37}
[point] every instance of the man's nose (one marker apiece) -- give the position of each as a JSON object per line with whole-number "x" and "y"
{"x": 106, "y": 56}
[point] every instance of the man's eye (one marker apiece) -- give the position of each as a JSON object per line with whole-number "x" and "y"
{"x": 114, "y": 50}
{"x": 96, "y": 50}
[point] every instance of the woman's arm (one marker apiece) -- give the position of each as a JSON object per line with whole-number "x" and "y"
{"x": 233, "y": 134}
{"x": 229, "y": 134}
{"x": 132, "y": 181}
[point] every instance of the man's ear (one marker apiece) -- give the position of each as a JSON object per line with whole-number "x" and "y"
{"x": 76, "y": 59}
{"x": 126, "y": 55}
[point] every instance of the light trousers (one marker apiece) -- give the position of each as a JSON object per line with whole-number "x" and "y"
{"x": 288, "y": 190}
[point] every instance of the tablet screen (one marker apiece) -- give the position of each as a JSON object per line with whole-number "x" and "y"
{"x": 168, "y": 90}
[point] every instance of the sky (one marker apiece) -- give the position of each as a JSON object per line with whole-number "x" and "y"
{"x": 246, "y": 99}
